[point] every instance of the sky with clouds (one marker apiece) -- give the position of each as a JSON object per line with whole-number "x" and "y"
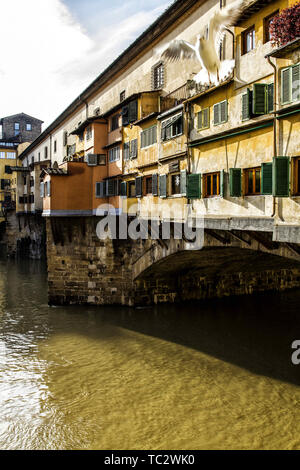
{"x": 51, "y": 50}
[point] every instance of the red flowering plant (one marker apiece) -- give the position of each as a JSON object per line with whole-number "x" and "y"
{"x": 286, "y": 26}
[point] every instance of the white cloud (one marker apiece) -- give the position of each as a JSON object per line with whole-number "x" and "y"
{"x": 47, "y": 58}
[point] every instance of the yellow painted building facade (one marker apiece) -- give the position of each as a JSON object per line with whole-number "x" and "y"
{"x": 8, "y": 159}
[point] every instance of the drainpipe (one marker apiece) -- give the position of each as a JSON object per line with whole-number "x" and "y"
{"x": 233, "y": 42}
{"x": 275, "y": 201}
{"x": 86, "y": 106}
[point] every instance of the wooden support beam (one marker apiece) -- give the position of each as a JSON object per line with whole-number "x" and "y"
{"x": 225, "y": 240}
{"x": 265, "y": 242}
{"x": 239, "y": 237}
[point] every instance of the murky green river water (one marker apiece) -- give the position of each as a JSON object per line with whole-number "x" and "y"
{"x": 215, "y": 375}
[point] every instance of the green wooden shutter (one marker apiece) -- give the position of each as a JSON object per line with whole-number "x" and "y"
{"x": 163, "y": 186}
{"x": 223, "y": 111}
{"x": 222, "y": 183}
{"x": 266, "y": 178}
{"x": 259, "y": 98}
{"x": 205, "y": 119}
{"x": 281, "y": 176}
{"x": 126, "y": 151}
{"x": 200, "y": 118}
{"x": 217, "y": 118}
{"x": 296, "y": 82}
{"x": 183, "y": 182}
{"x": 270, "y": 97}
{"x": 194, "y": 186}
{"x": 124, "y": 188}
{"x": 155, "y": 184}
{"x": 246, "y": 105}
{"x": 286, "y": 86}
{"x": 133, "y": 111}
{"x": 139, "y": 186}
{"x": 235, "y": 182}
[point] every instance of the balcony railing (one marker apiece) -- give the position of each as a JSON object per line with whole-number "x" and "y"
{"x": 174, "y": 98}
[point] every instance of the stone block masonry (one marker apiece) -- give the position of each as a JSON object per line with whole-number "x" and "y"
{"x": 25, "y": 235}
{"x": 85, "y": 270}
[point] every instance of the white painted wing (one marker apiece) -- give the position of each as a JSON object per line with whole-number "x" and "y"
{"x": 223, "y": 19}
{"x": 179, "y": 49}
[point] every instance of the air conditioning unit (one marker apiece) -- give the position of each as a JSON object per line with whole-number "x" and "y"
{"x": 92, "y": 159}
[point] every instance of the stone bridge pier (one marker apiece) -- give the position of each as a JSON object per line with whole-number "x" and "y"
{"x": 83, "y": 269}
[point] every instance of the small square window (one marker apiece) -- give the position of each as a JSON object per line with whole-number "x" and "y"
{"x": 28, "y": 127}
{"x": 158, "y": 76}
{"x": 122, "y": 96}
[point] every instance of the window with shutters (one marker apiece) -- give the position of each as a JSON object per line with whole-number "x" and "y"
{"x": 2, "y": 154}
{"x": 220, "y": 112}
{"x": 131, "y": 189}
{"x": 252, "y": 181}
{"x": 258, "y": 101}
{"x": 172, "y": 127}
{"x": 158, "y": 72}
{"x": 149, "y": 136}
{"x": 290, "y": 84}
{"x": 148, "y": 185}
{"x": 114, "y": 154}
{"x": 248, "y": 40}
{"x": 203, "y": 119}
{"x": 211, "y": 184}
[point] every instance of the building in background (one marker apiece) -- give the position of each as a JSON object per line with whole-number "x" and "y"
{"x": 20, "y": 128}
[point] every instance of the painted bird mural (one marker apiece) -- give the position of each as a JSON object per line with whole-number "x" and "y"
{"x": 206, "y": 50}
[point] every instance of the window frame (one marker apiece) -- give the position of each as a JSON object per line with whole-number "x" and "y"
{"x": 208, "y": 120}
{"x": 131, "y": 184}
{"x": 171, "y": 177}
{"x": 30, "y": 127}
{"x": 244, "y": 35}
{"x": 226, "y": 113}
{"x": 143, "y": 133}
{"x": 246, "y": 181}
{"x": 205, "y": 178}
{"x": 158, "y": 72}
{"x": 172, "y": 127}
{"x": 115, "y": 122}
{"x": 267, "y": 21}
{"x": 148, "y": 182}
{"x": 114, "y": 159}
